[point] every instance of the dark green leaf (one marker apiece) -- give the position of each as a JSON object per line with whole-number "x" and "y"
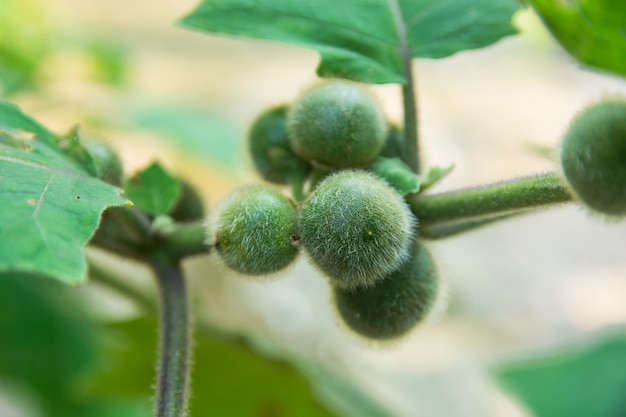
{"x": 358, "y": 39}
{"x": 228, "y": 378}
{"x": 51, "y": 207}
{"x": 580, "y": 381}
{"x": 396, "y": 173}
{"x": 153, "y": 190}
{"x": 593, "y": 31}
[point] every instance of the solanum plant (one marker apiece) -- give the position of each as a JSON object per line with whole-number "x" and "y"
{"x": 357, "y": 197}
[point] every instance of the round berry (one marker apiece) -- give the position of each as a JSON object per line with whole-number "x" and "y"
{"x": 356, "y": 228}
{"x": 270, "y": 149}
{"x": 396, "y": 304}
{"x": 337, "y": 124}
{"x": 255, "y": 231}
{"x": 593, "y": 157}
{"x": 107, "y": 162}
{"x": 189, "y": 206}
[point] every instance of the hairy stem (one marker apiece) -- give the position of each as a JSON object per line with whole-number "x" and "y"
{"x": 500, "y": 198}
{"x": 441, "y": 231}
{"x": 173, "y": 373}
{"x": 411, "y": 136}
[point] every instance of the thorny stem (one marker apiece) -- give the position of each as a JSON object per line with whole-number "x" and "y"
{"x": 173, "y": 373}
{"x": 501, "y": 198}
{"x": 411, "y": 134}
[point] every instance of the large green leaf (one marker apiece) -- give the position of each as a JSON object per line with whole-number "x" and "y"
{"x": 581, "y": 381}
{"x": 228, "y": 378}
{"x": 593, "y": 31}
{"x": 50, "y": 206}
{"x": 358, "y": 39}
{"x": 49, "y": 347}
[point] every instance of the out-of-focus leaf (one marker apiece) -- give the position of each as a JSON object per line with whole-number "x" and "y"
{"x": 228, "y": 379}
{"x": 50, "y": 206}
{"x": 358, "y": 39}
{"x": 396, "y": 173}
{"x": 593, "y": 31}
{"x": 435, "y": 174}
{"x": 153, "y": 190}
{"x": 579, "y": 381}
{"x": 196, "y": 131}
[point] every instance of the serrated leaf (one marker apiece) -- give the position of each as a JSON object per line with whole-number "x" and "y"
{"x": 435, "y": 174}
{"x": 579, "y": 381}
{"x": 50, "y": 206}
{"x": 593, "y": 31}
{"x": 397, "y": 174}
{"x": 358, "y": 39}
{"x": 153, "y": 190}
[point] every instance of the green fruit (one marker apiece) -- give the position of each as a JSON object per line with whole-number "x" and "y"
{"x": 395, "y": 305}
{"x": 269, "y": 146}
{"x": 255, "y": 231}
{"x": 394, "y": 143}
{"x": 593, "y": 157}
{"x": 107, "y": 162}
{"x": 337, "y": 124}
{"x": 356, "y": 228}
{"x": 189, "y": 206}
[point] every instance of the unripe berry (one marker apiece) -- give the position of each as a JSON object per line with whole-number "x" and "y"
{"x": 337, "y": 124}
{"x": 356, "y": 228}
{"x": 270, "y": 149}
{"x": 189, "y": 206}
{"x": 107, "y": 162}
{"x": 255, "y": 231}
{"x": 593, "y": 157}
{"x": 395, "y": 305}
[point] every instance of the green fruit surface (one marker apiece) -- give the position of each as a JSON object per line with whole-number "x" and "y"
{"x": 593, "y": 157}
{"x": 395, "y": 305}
{"x": 356, "y": 228}
{"x": 337, "y": 124}
{"x": 270, "y": 149}
{"x": 107, "y": 161}
{"x": 255, "y": 232}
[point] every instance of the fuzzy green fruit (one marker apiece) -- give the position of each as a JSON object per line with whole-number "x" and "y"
{"x": 107, "y": 162}
{"x": 395, "y": 305}
{"x": 270, "y": 149}
{"x": 337, "y": 124}
{"x": 255, "y": 231}
{"x": 356, "y": 228}
{"x": 189, "y": 207}
{"x": 593, "y": 157}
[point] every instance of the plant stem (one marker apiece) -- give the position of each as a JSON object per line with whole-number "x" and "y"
{"x": 173, "y": 376}
{"x": 499, "y": 198}
{"x": 411, "y": 135}
{"x": 441, "y": 231}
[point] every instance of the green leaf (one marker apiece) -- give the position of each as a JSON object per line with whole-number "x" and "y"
{"x": 581, "y": 381}
{"x": 358, "y": 39}
{"x": 228, "y": 378}
{"x": 153, "y": 190}
{"x": 593, "y": 31}
{"x": 51, "y": 207}
{"x": 435, "y": 175}
{"x": 396, "y": 173}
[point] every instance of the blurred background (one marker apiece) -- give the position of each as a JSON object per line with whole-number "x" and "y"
{"x": 125, "y": 72}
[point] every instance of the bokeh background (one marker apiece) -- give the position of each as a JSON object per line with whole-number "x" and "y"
{"x": 543, "y": 282}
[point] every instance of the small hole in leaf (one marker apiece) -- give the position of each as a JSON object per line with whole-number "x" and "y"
{"x": 78, "y": 197}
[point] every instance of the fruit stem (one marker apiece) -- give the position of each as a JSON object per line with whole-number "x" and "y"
{"x": 173, "y": 372}
{"x": 296, "y": 181}
{"x": 411, "y": 134}
{"x": 499, "y": 198}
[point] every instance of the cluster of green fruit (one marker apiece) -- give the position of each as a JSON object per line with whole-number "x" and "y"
{"x": 354, "y": 226}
